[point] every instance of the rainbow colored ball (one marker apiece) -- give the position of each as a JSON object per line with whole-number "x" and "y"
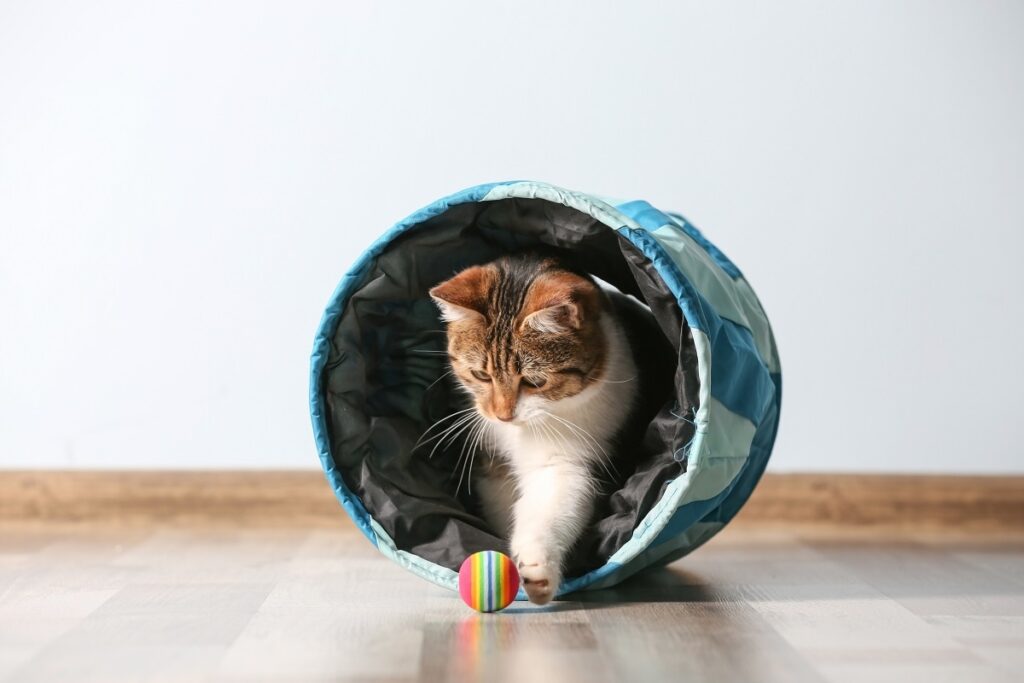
{"x": 488, "y": 581}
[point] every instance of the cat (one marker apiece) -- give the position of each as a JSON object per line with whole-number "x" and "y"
{"x": 540, "y": 350}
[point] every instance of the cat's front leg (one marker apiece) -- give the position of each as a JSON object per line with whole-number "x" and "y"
{"x": 554, "y": 504}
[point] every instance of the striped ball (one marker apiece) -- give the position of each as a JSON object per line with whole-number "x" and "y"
{"x": 488, "y": 581}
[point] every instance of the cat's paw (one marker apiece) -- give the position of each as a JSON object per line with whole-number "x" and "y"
{"x": 540, "y": 582}
{"x": 540, "y": 576}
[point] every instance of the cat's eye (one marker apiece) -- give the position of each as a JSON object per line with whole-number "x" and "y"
{"x": 481, "y": 375}
{"x": 534, "y": 382}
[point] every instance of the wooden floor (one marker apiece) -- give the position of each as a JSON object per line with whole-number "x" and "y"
{"x": 322, "y": 605}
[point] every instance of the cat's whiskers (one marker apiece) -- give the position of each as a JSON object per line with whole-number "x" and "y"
{"x": 452, "y": 433}
{"x": 428, "y": 352}
{"x": 466, "y": 456}
{"x": 548, "y": 433}
{"x": 477, "y": 442}
{"x": 552, "y": 433}
{"x": 577, "y": 429}
{"x": 469, "y": 425}
{"x": 555, "y": 433}
{"x": 434, "y": 426}
{"x": 593, "y": 446}
{"x": 462, "y": 453}
{"x": 431, "y": 385}
{"x": 614, "y": 381}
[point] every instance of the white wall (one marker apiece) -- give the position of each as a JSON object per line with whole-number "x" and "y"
{"x": 182, "y": 185}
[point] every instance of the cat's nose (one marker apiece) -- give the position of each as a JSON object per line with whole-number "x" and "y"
{"x": 504, "y": 407}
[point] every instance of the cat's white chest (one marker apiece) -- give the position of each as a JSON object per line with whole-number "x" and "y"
{"x": 531, "y": 447}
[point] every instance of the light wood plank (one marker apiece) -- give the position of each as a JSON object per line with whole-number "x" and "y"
{"x": 323, "y": 605}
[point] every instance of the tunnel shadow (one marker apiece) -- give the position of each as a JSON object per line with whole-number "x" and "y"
{"x": 659, "y": 584}
{"x": 917, "y": 574}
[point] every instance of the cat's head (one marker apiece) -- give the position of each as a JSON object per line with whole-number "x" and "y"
{"x": 523, "y": 334}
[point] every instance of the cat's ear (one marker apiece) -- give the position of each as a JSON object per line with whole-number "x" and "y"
{"x": 559, "y": 301}
{"x": 464, "y": 296}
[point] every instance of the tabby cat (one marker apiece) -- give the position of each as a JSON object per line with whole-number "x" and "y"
{"x": 540, "y": 350}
